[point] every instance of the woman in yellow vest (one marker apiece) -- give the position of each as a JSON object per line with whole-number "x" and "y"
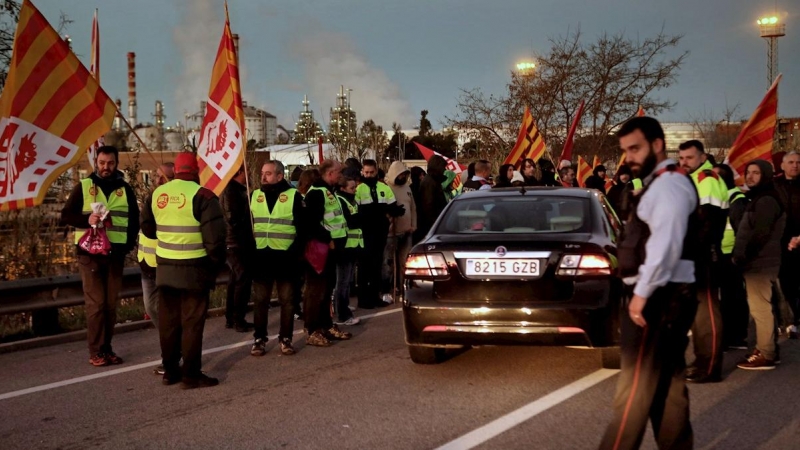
{"x": 353, "y": 246}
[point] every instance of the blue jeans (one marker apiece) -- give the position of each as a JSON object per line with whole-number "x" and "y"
{"x": 345, "y": 268}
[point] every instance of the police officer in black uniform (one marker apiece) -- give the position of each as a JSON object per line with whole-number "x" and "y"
{"x": 657, "y": 266}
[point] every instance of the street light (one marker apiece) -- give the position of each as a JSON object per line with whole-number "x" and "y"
{"x": 771, "y": 29}
{"x": 526, "y": 67}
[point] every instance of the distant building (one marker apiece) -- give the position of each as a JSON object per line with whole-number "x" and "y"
{"x": 343, "y": 125}
{"x": 307, "y": 130}
{"x": 259, "y": 125}
{"x": 789, "y": 134}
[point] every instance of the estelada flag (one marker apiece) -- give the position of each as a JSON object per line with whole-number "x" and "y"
{"x": 51, "y": 110}
{"x": 220, "y": 150}
{"x": 427, "y": 153}
{"x": 755, "y": 139}
{"x": 529, "y": 142}
{"x": 584, "y": 171}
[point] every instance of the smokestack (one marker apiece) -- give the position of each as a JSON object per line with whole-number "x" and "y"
{"x": 118, "y": 115}
{"x": 132, "y": 88}
{"x": 235, "y": 37}
{"x": 159, "y": 115}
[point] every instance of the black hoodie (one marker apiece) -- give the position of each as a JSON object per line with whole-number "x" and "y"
{"x": 431, "y": 195}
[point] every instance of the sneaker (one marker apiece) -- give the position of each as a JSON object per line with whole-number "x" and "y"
{"x": 259, "y": 347}
{"x": 243, "y": 327}
{"x": 317, "y": 339}
{"x": 170, "y": 378}
{"x": 286, "y": 347}
{"x": 159, "y": 370}
{"x": 200, "y": 381}
{"x": 99, "y": 360}
{"x": 351, "y": 321}
{"x": 387, "y": 298}
{"x": 335, "y": 333}
{"x": 113, "y": 359}
{"x": 756, "y": 361}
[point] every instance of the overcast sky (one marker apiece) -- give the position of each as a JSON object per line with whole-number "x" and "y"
{"x": 402, "y": 56}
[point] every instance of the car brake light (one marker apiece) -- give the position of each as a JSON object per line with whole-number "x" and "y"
{"x": 426, "y": 265}
{"x": 578, "y": 265}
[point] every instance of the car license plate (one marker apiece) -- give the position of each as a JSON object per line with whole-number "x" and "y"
{"x": 507, "y": 267}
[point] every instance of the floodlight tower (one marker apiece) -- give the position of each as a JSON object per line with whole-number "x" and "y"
{"x": 771, "y": 29}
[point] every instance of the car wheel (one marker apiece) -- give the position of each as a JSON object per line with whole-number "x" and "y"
{"x": 425, "y": 355}
{"x": 611, "y": 357}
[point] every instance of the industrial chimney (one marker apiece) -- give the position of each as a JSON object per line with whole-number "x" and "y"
{"x": 159, "y": 115}
{"x": 132, "y": 88}
{"x": 118, "y": 116}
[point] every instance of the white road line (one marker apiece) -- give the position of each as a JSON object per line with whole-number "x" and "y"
{"x": 150, "y": 364}
{"x": 514, "y": 418}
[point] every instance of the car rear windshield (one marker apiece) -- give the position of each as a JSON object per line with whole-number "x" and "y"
{"x": 517, "y": 214}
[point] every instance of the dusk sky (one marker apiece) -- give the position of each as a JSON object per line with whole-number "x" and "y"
{"x": 402, "y": 56}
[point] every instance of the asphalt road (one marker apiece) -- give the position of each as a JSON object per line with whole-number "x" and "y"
{"x": 362, "y": 394}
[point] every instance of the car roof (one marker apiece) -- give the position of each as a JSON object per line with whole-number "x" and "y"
{"x": 556, "y": 191}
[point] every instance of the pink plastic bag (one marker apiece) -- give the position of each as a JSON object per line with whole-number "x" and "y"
{"x": 317, "y": 255}
{"x": 95, "y": 241}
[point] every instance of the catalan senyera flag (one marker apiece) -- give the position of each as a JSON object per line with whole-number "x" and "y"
{"x": 220, "y": 152}
{"x": 595, "y": 162}
{"x": 755, "y": 139}
{"x": 530, "y": 143}
{"x": 51, "y": 110}
{"x": 584, "y": 171}
{"x": 453, "y": 165}
{"x": 640, "y": 112}
{"x": 566, "y": 153}
{"x": 94, "y": 68}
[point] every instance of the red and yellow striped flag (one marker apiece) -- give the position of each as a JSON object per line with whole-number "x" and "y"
{"x": 595, "y": 162}
{"x": 755, "y": 139}
{"x": 220, "y": 152}
{"x": 584, "y": 171}
{"x": 529, "y": 142}
{"x": 51, "y": 110}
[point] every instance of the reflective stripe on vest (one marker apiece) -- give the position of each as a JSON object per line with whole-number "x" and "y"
{"x": 383, "y": 193}
{"x": 117, "y": 205}
{"x": 637, "y": 184}
{"x": 711, "y": 189}
{"x": 333, "y": 218}
{"x": 274, "y": 229}
{"x": 178, "y": 231}
{"x": 355, "y": 238}
{"x": 147, "y": 250}
{"x": 729, "y": 237}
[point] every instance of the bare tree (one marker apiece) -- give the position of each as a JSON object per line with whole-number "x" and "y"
{"x": 718, "y": 130}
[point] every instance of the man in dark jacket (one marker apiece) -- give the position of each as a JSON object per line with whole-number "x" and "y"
{"x": 616, "y": 194}
{"x": 277, "y": 208}
{"x": 758, "y": 252}
{"x": 598, "y": 179}
{"x": 548, "y": 173}
{"x": 102, "y": 274}
{"x": 431, "y": 195}
{"x": 240, "y": 245}
{"x": 191, "y": 251}
{"x": 788, "y": 189}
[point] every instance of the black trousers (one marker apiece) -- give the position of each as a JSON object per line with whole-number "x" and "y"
{"x": 733, "y": 303}
{"x": 317, "y": 296}
{"x": 370, "y": 270}
{"x": 181, "y": 319}
{"x": 789, "y": 277}
{"x": 262, "y": 290}
{"x": 239, "y": 286}
{"x": 708, "y": 327}
{"x": 651, "y": 384}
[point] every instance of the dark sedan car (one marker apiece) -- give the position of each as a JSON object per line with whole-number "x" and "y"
{"x": 516, "y": 266}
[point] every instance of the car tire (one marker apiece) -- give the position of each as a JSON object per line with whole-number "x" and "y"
{"x": 610, "y": 357}
{"x": 425, "y": 355}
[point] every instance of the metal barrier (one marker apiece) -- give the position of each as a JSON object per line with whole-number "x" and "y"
{"x": 36, "y": 294}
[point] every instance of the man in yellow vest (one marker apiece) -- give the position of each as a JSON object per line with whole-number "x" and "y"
{"x": 188, "y": 223}
{"x": 276, "y": 209}
{"x": 146, "y": 254}
{"x": 102, "y": 274}
{"x": 713, "y": 211}
{"x": 324, "y": 222}
{"x": 353, "y": 247}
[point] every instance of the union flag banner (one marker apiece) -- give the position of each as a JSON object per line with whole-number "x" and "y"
{"x": 529, "y": 142}
{"x": 755, "y": 139}
{"x": 584, "y": 171}
{"x": 451, "y": 164}
{"x": 51, "y": 110}
{"x": 94, "y": 68}
{"x": 566, "y": 153}
{"x": 220, "y": 152}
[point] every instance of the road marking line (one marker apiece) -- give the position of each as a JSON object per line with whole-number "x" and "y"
{"x": 150, "y": 364}
{"x": 498, "y": 426}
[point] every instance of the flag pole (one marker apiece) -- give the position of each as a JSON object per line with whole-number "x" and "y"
{"x": 149, "y": 153}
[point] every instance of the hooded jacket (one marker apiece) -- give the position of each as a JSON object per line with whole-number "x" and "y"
{"x": 789, "y": 195}
{"x": 404, "y": 197}
{"x": 432, "y": 198}
{"x": 595, "y": 181}
{"x": 758, "y": 239}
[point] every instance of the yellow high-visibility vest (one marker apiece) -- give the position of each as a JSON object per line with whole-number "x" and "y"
{"x": 355, "y": 238}
{"x": 177, "y": 230}
{"x": 333, "y": 219}
{"x": 117, "y": 205}
{"x": 274, "y": 229}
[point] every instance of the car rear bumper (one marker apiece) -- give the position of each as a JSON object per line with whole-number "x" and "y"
{"x": 446, "y": 322}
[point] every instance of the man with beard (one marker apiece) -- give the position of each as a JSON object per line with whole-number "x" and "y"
{"x": 713, "y": 210}
{"x": 758, "y": 252}
{"x": 657, "y": 268}
{"x": 376, "y": 203}
{"x": 276, "y": 208}
{"x": 102, "y": 274}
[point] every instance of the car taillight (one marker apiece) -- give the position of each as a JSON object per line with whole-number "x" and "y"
{"x": 431, "y": 265}
{"x": 578, "y": 265}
